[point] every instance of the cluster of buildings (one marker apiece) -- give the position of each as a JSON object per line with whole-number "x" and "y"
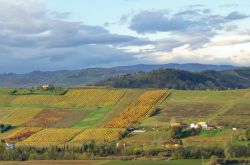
{"x": 203, "y": 125}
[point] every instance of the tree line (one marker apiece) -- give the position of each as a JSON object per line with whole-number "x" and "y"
{"x": 183, "y": 80}
{"x": 92, "y": 150}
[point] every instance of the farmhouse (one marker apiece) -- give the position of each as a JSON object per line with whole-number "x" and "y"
{"x": 202, "y": 124}
{"x": 194, "y": 126}
{"x": 46, "y": 86}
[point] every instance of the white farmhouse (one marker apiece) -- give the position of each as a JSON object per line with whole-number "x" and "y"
{"x": 46, "y": 86}
{"x": 194, "y": 126}
{"x": 203, "y": 125}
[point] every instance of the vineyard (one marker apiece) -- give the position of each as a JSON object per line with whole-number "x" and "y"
{"x": 103, "y": 115}
{"x": 41, "y": 124}
{"x": 73, "y": 98}
{"x": 50, "y": 136}
{"x": 98, "y": 135}
{"x": 20, "y": 134}
{"x": 21, "y": 116}
{"x": 5, "y": 112}
{"x": 140, "y": 109}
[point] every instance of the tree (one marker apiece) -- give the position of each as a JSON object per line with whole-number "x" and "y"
{"x": 248, "y": 134}
{"x": 174, "y": 132}
{"x": 228, "y": 150}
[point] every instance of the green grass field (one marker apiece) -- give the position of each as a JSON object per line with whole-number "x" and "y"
{"x": 215, "y": 107}
{"x": 150, "y": 139}
{"x": 93, "y": 117}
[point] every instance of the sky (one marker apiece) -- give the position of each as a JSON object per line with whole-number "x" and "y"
{"x": 66, "y": 35}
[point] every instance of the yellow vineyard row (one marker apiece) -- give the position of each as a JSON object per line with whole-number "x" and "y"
{"x": 98, "y": 135}
{"x": 140, "y": 109}
{"x": 51, "y": 136}
{"x": 73, "y": 98}
{"x": 68, "y": 136}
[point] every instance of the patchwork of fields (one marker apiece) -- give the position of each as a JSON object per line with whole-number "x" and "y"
{"x": 103, "y": 114}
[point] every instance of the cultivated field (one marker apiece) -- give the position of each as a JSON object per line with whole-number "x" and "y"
{"x": 73, "y": 98}
{"x": 50, "y": 136}
{"x": 150, "y": 139}
{"x": 19, "y": 134}
{"x": 21, "y": 116}
{"x": 213, "y": 107}
{"x": 103, "y": 114}
{"x": 97, "y": 135}
{"x": 139, "y": 109}
{"x": 46, "y": 118}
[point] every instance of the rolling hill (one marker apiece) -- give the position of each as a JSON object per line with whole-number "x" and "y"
{"x": 180, "y": 79}
{"x": 76, "y": 78}
{"x": 103, "y": 114}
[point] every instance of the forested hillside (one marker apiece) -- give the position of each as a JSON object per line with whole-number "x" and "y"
{"x": 180, "y": 79}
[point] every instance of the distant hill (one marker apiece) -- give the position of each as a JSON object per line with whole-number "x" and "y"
{"x": 180, "y": 79}
{"x": 76, "y": 78}
{"x": 193, "y": 67}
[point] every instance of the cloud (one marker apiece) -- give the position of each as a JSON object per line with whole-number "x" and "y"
{"x": 193, "y": 26}
{"x": 236, "y": 16}
{"x": 234, "y": 49}
{"x": 153, "y": 21}
{"x": 35, "y": 38}
{"x": 24, "y": 60}
{"x": 25, "y": 23}
{"x": 199, "y": 19}
{"x": 38, "y": 38}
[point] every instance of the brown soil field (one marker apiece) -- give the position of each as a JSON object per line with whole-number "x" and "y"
{"x": 46, "y": 118}
{"x": 239, "y": 109}
{"x": 239, "y": 121}
{"x": 187, "y": 110}
{"x": 70, "y": 119}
